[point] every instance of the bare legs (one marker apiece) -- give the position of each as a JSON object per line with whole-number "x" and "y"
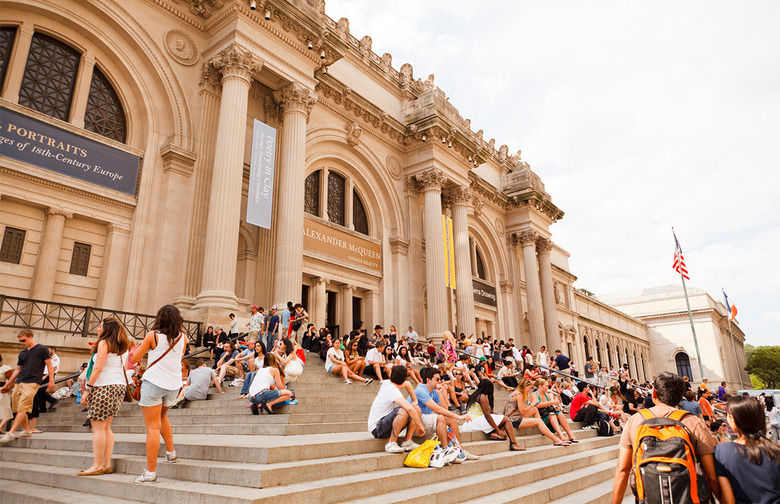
{"x": 537, "y": 422}
{"x": 102, "y": 444}
{"x": 157, "y": 424}
{"x": 346, "y": 373}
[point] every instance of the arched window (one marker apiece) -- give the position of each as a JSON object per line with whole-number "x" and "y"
{"x": 598, "y": 351}
{"x": 609, "y": 355}
{"x": 480, "y": 265}
{"x": 336, "y": 198}
{"x": 7, "y": 35}
{"x": 311, "y": 198}
{"x": 587, "y": 347}
{"x": 359, "y": 217}
{"x": 49, "y": 76}
{"x": 104, "y": 114}
{"x": 683, "y": 365}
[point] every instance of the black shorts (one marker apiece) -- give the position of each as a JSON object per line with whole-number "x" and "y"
{"x": 384, "y": 428}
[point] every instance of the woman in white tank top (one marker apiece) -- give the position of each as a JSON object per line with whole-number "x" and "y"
{"x": 161, "y": 383}
{"x": 104, "y": 392}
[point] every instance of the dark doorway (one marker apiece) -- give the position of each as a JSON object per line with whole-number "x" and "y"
{"x": 330, "y": 312}
{"x": 305, "y": 289}
{"x": 357, "y": 311}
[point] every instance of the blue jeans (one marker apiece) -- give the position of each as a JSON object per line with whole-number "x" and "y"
{"x": 264, "y": 396}
{"x": 270, "y": 340}
{"x": 248, "y": 382}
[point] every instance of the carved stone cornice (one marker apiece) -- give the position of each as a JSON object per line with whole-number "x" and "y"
{"x": 527, "y": 237}
{"x": 544, "y": 246}
{"x": 177, "y": 160}
{"x": 236, "y": 62}
{"x": 399, "y": 245}
{"x": 432, "y": 180}
{"x": 296, "y": 98}
{"x": 487, "y": 192}
{"x": 204, "y": 8}
{"x": 51, "y": 211}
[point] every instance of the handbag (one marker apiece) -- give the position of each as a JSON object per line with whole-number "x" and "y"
{"x": 297, "y": 325}
{"x": 128, "y": 389}
{"x": 421, "y": 456}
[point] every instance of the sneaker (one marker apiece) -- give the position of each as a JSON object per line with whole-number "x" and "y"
{"x": 469, "y": 455}
{"x": 171, "y": 457}
{"x": 392, "y": 447}
{"x": 368, "y": 380}
{"x": 7, "y": 438}
{"x": 22, "y": 434}
{"x": 450, "y": 454}
{"x": 146, "y": 477}
{"x": 409, "y": 445}
{"x": 347, "y": 382}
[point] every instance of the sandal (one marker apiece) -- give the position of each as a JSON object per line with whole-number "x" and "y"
{"x": 562, "y": 443}
{"x": 496, "y": 437}
{"x": 512, "y": 447}
{"x": 573, "y": 441}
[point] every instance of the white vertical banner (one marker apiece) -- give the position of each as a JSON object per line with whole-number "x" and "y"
{"x": 261, "y": 175}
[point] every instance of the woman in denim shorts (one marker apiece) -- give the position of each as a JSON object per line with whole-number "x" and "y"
{"x": 161, "y": 384}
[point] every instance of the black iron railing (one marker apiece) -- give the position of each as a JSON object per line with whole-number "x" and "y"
{"x": 49, "y": 316}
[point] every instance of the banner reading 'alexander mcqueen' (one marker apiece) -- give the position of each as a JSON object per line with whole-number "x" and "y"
{"x": 323, "y": 239}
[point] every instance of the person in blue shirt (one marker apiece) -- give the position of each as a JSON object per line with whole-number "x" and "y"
{"x": 561, "y": 361}
{"x": 435, "y": 417}
{"x": 286, "y": 313}
{"x": 690, "y": 404}
{"x": 272, "y": 328}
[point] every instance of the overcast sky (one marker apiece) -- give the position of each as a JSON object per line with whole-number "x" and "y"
{"x": 638, "y": 117}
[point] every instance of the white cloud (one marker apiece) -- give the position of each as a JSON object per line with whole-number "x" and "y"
{"x": 636, "y": 116}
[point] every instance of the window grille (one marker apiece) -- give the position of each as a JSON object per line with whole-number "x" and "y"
{"x": 104, "y": 114}
{"x": 49, "y": 77}
{"x": 336, "y": 198}
{"x": 359, "y": 217}
{"x": 7, "y": 35}
{"x": 79, "y": 263}
{"x": 311, "y": 199}
{"x": 13, "y": 244}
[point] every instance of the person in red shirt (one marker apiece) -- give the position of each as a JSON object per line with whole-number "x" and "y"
{"x": 586, "y": 410}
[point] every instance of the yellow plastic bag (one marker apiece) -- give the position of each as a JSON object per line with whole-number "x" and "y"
{"x": 420, "y": 456}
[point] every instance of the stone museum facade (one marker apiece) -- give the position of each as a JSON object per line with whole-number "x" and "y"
{"x": 124, "y": 180}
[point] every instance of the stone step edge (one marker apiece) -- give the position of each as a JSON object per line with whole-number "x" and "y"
{"x": 509, "y": 476}
{"x": 594, "y": 494}
{"x": 559, "y": 482}
{"x": 56, "y": 495}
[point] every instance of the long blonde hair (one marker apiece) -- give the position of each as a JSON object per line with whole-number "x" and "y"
{"x": 522, "y": 383}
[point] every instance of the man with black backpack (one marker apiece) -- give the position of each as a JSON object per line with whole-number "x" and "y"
{"x": 667, "y": 450}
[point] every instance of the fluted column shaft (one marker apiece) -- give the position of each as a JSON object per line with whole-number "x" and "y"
{"x": 436, "y": 312}
{"x": 221, "y": 250}
{"x": 110, "y": 292}
{"x": 464, "y": 293}
{"x": 48, "y": 255}
{"x": 320, "y": 303}
{"x": 296, "y": 102}
{"x": 533, "y": 290}
{"x": 548, "y": 294}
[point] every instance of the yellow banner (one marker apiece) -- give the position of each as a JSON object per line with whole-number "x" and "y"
{"x": 449, "y": 251}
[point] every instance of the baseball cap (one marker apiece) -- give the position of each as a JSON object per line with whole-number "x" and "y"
{"x": 254, "y": 307}
{"x": 377, "y": 327}
{"x": 274, "y": 308}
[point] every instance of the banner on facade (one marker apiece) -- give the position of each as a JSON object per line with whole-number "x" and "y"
{"x": 55, "y": 149}
{"x": 484, "y": 293}
{"x": 336, "y": 244}
{"x": 261, "y": 175}
{"x": 449, "y": 251}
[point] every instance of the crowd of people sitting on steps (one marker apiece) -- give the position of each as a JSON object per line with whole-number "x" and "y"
{"x": 425, "y": 389}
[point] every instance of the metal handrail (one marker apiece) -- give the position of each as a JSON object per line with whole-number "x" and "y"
{"x": 25, "y": 313}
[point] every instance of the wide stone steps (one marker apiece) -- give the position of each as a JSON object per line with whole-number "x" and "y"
{"x": 315, "y": 452}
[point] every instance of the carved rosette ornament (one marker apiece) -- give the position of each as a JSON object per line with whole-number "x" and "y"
{"x": 235, "y": 62}
{"x": 544, "y": 245}
{"x": 527, "y": 237}
{"x": 296, "y": 98}
{"x": 394, "y": 167}
{"x": 432, "y": 180}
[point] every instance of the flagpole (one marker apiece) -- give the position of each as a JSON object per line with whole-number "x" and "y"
{"x": 733, "y": 345}
{"x": 690, "y": 317}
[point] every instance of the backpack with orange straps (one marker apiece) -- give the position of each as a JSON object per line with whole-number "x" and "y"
{"x": 665, "y": 469}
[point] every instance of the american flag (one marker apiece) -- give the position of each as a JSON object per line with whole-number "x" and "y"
{"x": 679, "y": 260}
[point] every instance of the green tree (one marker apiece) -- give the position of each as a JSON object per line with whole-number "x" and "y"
{"x": 764, "y": 363}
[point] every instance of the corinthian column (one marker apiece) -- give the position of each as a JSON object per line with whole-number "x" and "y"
{"x": 49, "y": 255}
{"x": 533, "y": 291}
{"x": 219, "y": 263}
{"x": 296, "y": 102}
{"x": 464, "y": 293}
{"x": 436, "y": 313}
{"x": 544, "y": 246}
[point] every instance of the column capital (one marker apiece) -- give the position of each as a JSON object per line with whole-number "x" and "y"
{"x": 318, "y": 280}
{"x": 59, "y": 211}
{"x": 527, "y": 237}
{"x": 506, "y": 286}
{"x": 544, "y": 245}
{"x": 432, "y": 180}
{"x": 236, "y": 62}
{"x": 399, "y": 245}
{"x": 296, "y": 98}
{"x": 459, "y": 195}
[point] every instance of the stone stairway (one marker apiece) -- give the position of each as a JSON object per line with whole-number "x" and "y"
{"x": 315, "y": 452}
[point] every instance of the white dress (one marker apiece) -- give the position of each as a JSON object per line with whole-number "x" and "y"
{"x": 5, "y": 399}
